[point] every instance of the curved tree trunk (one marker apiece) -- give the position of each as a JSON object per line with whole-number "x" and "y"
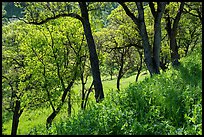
{"x": 51, "y": 117}
{"x": 120, "y": 73}
{"x": 119, "y": 76}
{"x": 157, "y": 35}
{"x": 55, "y": 112}
{"x": 87, "y": 95}
{"x": 15, "y": 118}
{"x": 99, "y": 95}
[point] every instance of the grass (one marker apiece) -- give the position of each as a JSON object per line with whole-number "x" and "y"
{"x": 31, "y": 118}
{"x": 166, "y": 104}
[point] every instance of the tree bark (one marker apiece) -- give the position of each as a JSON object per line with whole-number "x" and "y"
{"x": 172, "y": 32}
{"x": 17, "y": 113}
{"x": 139, "y": 67}
{"x": 69, "y": 105}
{"x": 111, "y": 74}
{"x": 99, "y": 95}
{"x": 82, "y": 91}
{"x": 87, "y": 95}
{"x": 157, "y": 35}
{"x": 174, "y": 51}
{"x": 157, "y": 44}
{"x": 54, "y": 113}
{"x": 145, "y": 40}
{"x": 151, "y": 60}
{"x": 120, "y": 73}
{"x": 52, "y": 116}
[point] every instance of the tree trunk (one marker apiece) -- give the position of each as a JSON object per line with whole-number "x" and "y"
{"x": 54, "y": 113}
{"x": 172, "y": 32}
{"x": 157, "y": 45}
{"x": 118, "y": 79}
{"x": 145, "y": 40}
{"x": 82, "y": 91}
{"x": 173, "y": 44}
{"x": 111, "y": 71}
{"x": 157, "y": 33}
{"x": 140, "y": 67}
{"x": 16, "y": 116}
{"x": 120, "y": 73}
{"x": 174, "y": 52}
{"x": 52, "y": 116}
{"x": 143, "y": 33}
{"x": 69, "y": 105}
{"x": 152, "y": 61}
{"x": 87, "y": 95}
{"x": 99, "y": 95}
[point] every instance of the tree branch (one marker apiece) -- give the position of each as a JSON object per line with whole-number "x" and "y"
{"x": 178, "y": 16}
{"x": 151, "y": 5}
{"x": 129, "y": 13}
{"x": 128, "y": 45}
{"x": 186, "y": 11}
{"x": 74, "y": 15}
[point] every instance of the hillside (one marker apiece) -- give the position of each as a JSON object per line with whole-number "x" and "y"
{"x": 167, "y": 104}
{"x": 101, "y": 68}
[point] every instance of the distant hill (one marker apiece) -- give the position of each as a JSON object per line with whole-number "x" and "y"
{"x": 12, "y": 10}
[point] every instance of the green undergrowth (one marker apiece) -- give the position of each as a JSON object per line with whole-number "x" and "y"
{"x": 31, "y": 118}
{"x": 166, "y": 104}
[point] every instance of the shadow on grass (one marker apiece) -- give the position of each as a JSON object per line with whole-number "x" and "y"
{"x": 191, "y": 74}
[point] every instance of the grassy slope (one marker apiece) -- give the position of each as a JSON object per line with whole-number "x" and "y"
{"x": 30, "y": 119}
{"x": 166, "y": 104}
{"x": 170, "y": 103}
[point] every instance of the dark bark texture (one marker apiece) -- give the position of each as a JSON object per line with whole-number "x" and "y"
{"x": 139, "y": 68}
{"x": 157, "y": 34}
{"x": 17, "y": 113}
{"x": 99, "y": 95}
{"x": 151, "y": 59}
{"x": 172, "y": 32}
{"x": 120, "y": 73}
